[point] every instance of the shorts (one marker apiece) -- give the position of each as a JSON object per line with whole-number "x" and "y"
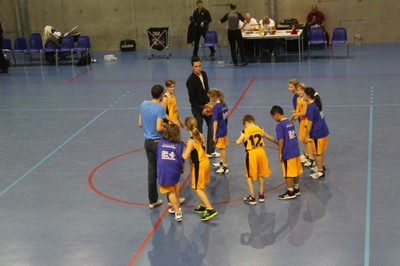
{"x": 319, "y": 145}
{"x": 256, "y": 164}
{"x": 200, "y": 174}
{"x": 222, "y": 142}
{"x": 292, "y": 167}
{"x": 303, "y": 130}
{"x": 164, "y": 189}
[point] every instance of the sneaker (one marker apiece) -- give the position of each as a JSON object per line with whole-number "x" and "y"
{"x": 179, "y": 216}
{"x": 156, "y": 204}
{"x": 250, "y": 200}
{"x": 318, "y": 175}
{"x": 287, "y": 195}
{"x": 303, "y": 158}
{"x": 261, "y": 197}
{"x": 315, "y": 169}
{"x": 209, "y": 214}
{"x": 297, "y": 191}
{"x": 171, "y": 210}
{"x": 214, "y": 155}
{"x": 222, "y": 170}
{"x": 200, "y": 209}
{"x": 313, "y": 163}
{"x": 217, "y": 164}
{"x": 181, "y": 200}
{"x": 307, "y": 163}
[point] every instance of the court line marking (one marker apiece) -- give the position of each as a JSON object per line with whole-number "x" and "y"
{"x": 155, "y": 226}
{"x": 50, "y": 154}
{"x": 74, "y": 79}
{"x": 369, "y": 177}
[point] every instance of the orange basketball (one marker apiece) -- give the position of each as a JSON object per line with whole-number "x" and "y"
{"x": 208, "y": 108}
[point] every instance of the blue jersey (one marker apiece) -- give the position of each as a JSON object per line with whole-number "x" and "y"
{"x": 285, "y": 130}
{"x": 150, "y": 112}
{"x": 220, "y": 114}
{"x": 319, "y": 128}
{"x": 169, "y": 162}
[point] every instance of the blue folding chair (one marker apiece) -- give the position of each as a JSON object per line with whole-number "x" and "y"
{"x": 67, "y": 45}
{"x": 50, "y": 50}
{"x": 211, "y": 40}
{"x": 316, "y": 37}
{"x": 7, "y": 48}
{"x": 339, "y": 37}
{"x": 35, "y": 46}
{"x": 20, "y": 46}
{"x": 84, "y": 45}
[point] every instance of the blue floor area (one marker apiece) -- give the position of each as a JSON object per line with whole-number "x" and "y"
{"x": 73, "y": 172}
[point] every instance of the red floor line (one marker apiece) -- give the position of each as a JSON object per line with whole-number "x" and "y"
{"x": 80, "y": 75}
{"x": 155, "y": 226}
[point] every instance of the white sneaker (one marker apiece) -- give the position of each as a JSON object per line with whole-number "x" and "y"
{"x": 318, "y": 175}
{"x": 179, "y": 216}
{"x": 171, "y": 210}
{"x": 217, "y": 164}
{"x": 222, "y": 170}
{"x": 181, "y": 200}
{"x": 156, "y": 204}
{"x": 303, "y": 158}
{"x": 214, "y": 155}
{"x": 307, "y": 163}
{"x": 314, "y": 169}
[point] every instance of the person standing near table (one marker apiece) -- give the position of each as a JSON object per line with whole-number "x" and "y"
{"x": 4, "y": 63}
{"x": 235, "y": 34}
{"x": 201, "y": 18}
{"x": 197, "y": 86}
{"x": 150, "y": 120}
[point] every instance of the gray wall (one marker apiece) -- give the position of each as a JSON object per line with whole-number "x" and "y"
{"x": 108, "y": 22}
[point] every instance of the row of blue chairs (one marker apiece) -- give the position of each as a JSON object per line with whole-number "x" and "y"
{"x": 317, "y": 37}
{"x": 35, "y": 45}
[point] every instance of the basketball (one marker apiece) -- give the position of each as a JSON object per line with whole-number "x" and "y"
{"x": 208, "y": 108}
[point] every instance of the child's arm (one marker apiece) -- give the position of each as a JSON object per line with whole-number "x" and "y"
{"x": 189, "y": 148}
{"x": 140, "y": 121}
{"x": 241, "y": 138}
{"x": 280, "y": 149}
{"x": 309, "y": 125}
{"x": 270, "y": 138}
{"x": 215, "y": 126}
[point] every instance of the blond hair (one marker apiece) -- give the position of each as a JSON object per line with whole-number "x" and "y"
{"x": 169, "y": 83}
{"x": 294, "y": 82}
{"x": 216, "y": 93}
{"x": 191, "y": 124}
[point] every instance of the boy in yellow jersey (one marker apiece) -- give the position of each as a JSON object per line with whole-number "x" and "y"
{"x": 256, "y": 162}
{"x": 171, "y": 105}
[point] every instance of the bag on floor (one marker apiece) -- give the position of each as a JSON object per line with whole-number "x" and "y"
{"x": 85, "y": 59}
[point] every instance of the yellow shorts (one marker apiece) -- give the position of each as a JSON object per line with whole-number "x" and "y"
{"x": 256, "y": 164}
{"x": 292, "y": 167}
{"x": 222, "y": 142}
{"x": 200, "y": 174}
{"x": 319, "y": 145}
{"x": 164, "y": 189}
{"x": 303, "y": 130}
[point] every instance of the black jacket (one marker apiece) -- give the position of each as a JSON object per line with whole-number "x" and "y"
{"x": 197, "y": 94}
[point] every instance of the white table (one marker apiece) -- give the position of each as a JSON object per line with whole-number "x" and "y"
{"x": 280, "y": 34}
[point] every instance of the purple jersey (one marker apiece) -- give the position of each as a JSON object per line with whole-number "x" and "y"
{"x": 220, "y": 114}
{"x": 319, "y": 128}
{"x": 285, "y": 130}
{"x": 169, "y": 162}
{"x": 295, "y": 96}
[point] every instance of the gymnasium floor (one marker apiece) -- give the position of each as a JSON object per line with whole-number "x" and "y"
{"x": 73, "y": 171}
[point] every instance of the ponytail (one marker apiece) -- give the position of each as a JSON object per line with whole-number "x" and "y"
{"x": 310, "y": 92}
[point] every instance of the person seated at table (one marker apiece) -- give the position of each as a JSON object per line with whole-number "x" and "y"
{"x": 317, "y": 19}
{"x": 249, "y": 24}
{"x": 268, "y": 46}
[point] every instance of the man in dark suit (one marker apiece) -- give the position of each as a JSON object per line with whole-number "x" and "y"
{"x": 201, "y": 18}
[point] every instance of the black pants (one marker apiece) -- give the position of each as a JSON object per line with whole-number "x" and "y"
{"x": 200, "y": 33}
{"x": 235, "y": 37}
{"x": 150, "y": 147}
{"x": 4, "y": 63}
{"x": 199, "y": 117}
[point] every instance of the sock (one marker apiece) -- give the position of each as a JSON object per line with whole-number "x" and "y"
{"x": 290, "y": 189}
{"x": 296, "y": 186}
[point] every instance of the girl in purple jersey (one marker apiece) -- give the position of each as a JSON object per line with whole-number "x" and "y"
{"x": 170, "y": 165}
{"x": 220, "y": 128}
{"x": 317, "y": 129}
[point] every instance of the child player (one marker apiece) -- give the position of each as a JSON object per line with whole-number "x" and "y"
{"x": 256, "y": 162}
{"x": 170, "y": 104}
{"x": 200, "y": 168}
{"x": 288, "y": 153}
{"x": 170, "y": 165}
{"x": 220, "y": 128}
